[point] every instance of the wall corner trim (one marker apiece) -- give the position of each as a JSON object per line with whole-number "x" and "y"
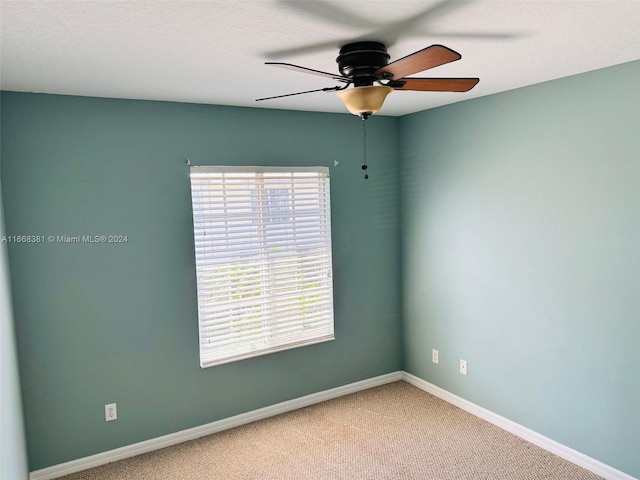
{"x": 523, "y": 432}
{"x": 139, "y": 448}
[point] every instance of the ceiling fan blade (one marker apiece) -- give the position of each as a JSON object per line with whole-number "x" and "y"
{"x": 327, "y": 89}
{"x": 391, "y": 32}
{"x": 437, "y": 84}
{"x": 297, "y": 68}
{"x": 476, "y": 35}
{"x": 387, "y": 33}
{"x": 329, "y": 12}
{"x": 424, "y": 59}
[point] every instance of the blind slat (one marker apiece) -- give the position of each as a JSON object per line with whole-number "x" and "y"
{"x": 252, "y": 311}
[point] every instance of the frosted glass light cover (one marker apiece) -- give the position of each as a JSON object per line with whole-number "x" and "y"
{"x": 368, "y": 99}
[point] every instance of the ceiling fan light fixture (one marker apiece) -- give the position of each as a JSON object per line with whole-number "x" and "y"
{"x": 364, "y": 100}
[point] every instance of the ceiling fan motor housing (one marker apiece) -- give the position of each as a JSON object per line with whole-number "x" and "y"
{"x": 360, "y": 61}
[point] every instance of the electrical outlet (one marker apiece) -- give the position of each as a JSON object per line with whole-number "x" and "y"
{"x": 434, "y": 355}
{"x": 110, "y": 412}
{"x": 463, "y": 367}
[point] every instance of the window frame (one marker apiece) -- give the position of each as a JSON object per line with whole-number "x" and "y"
{"x": 274, "y": 209}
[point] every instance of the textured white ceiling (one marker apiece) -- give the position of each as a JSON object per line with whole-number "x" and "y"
{"x": 213, "y": 51}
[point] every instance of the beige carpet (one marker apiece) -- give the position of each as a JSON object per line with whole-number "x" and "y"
{"x": 396, "y": 431}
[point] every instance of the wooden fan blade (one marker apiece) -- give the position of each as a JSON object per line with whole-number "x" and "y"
{"x": 327, "y": 89}
{"x": 437, "y": 84}
{"x": 424, "y": 59}
{"x": 297, "y": 68}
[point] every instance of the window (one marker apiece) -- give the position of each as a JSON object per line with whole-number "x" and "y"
{"x": 263, "y": 260}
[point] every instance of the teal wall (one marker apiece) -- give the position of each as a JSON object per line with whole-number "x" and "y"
{"x": 521, "y": 241}
{"x": 13, "y": 448}
{"x": 118, "y": 323}
{"x": 520, "y": 244}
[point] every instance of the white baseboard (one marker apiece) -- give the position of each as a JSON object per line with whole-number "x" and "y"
{"x": 552, "y": 446}
{"x": 203, "y": 430}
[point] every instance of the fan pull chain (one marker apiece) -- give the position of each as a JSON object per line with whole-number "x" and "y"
{"x": 364, "y": 145}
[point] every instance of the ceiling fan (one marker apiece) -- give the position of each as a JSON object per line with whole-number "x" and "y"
{"x": 365, "y": 65}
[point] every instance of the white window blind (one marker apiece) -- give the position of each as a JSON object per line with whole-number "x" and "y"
{"x": 263, "y": 259}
